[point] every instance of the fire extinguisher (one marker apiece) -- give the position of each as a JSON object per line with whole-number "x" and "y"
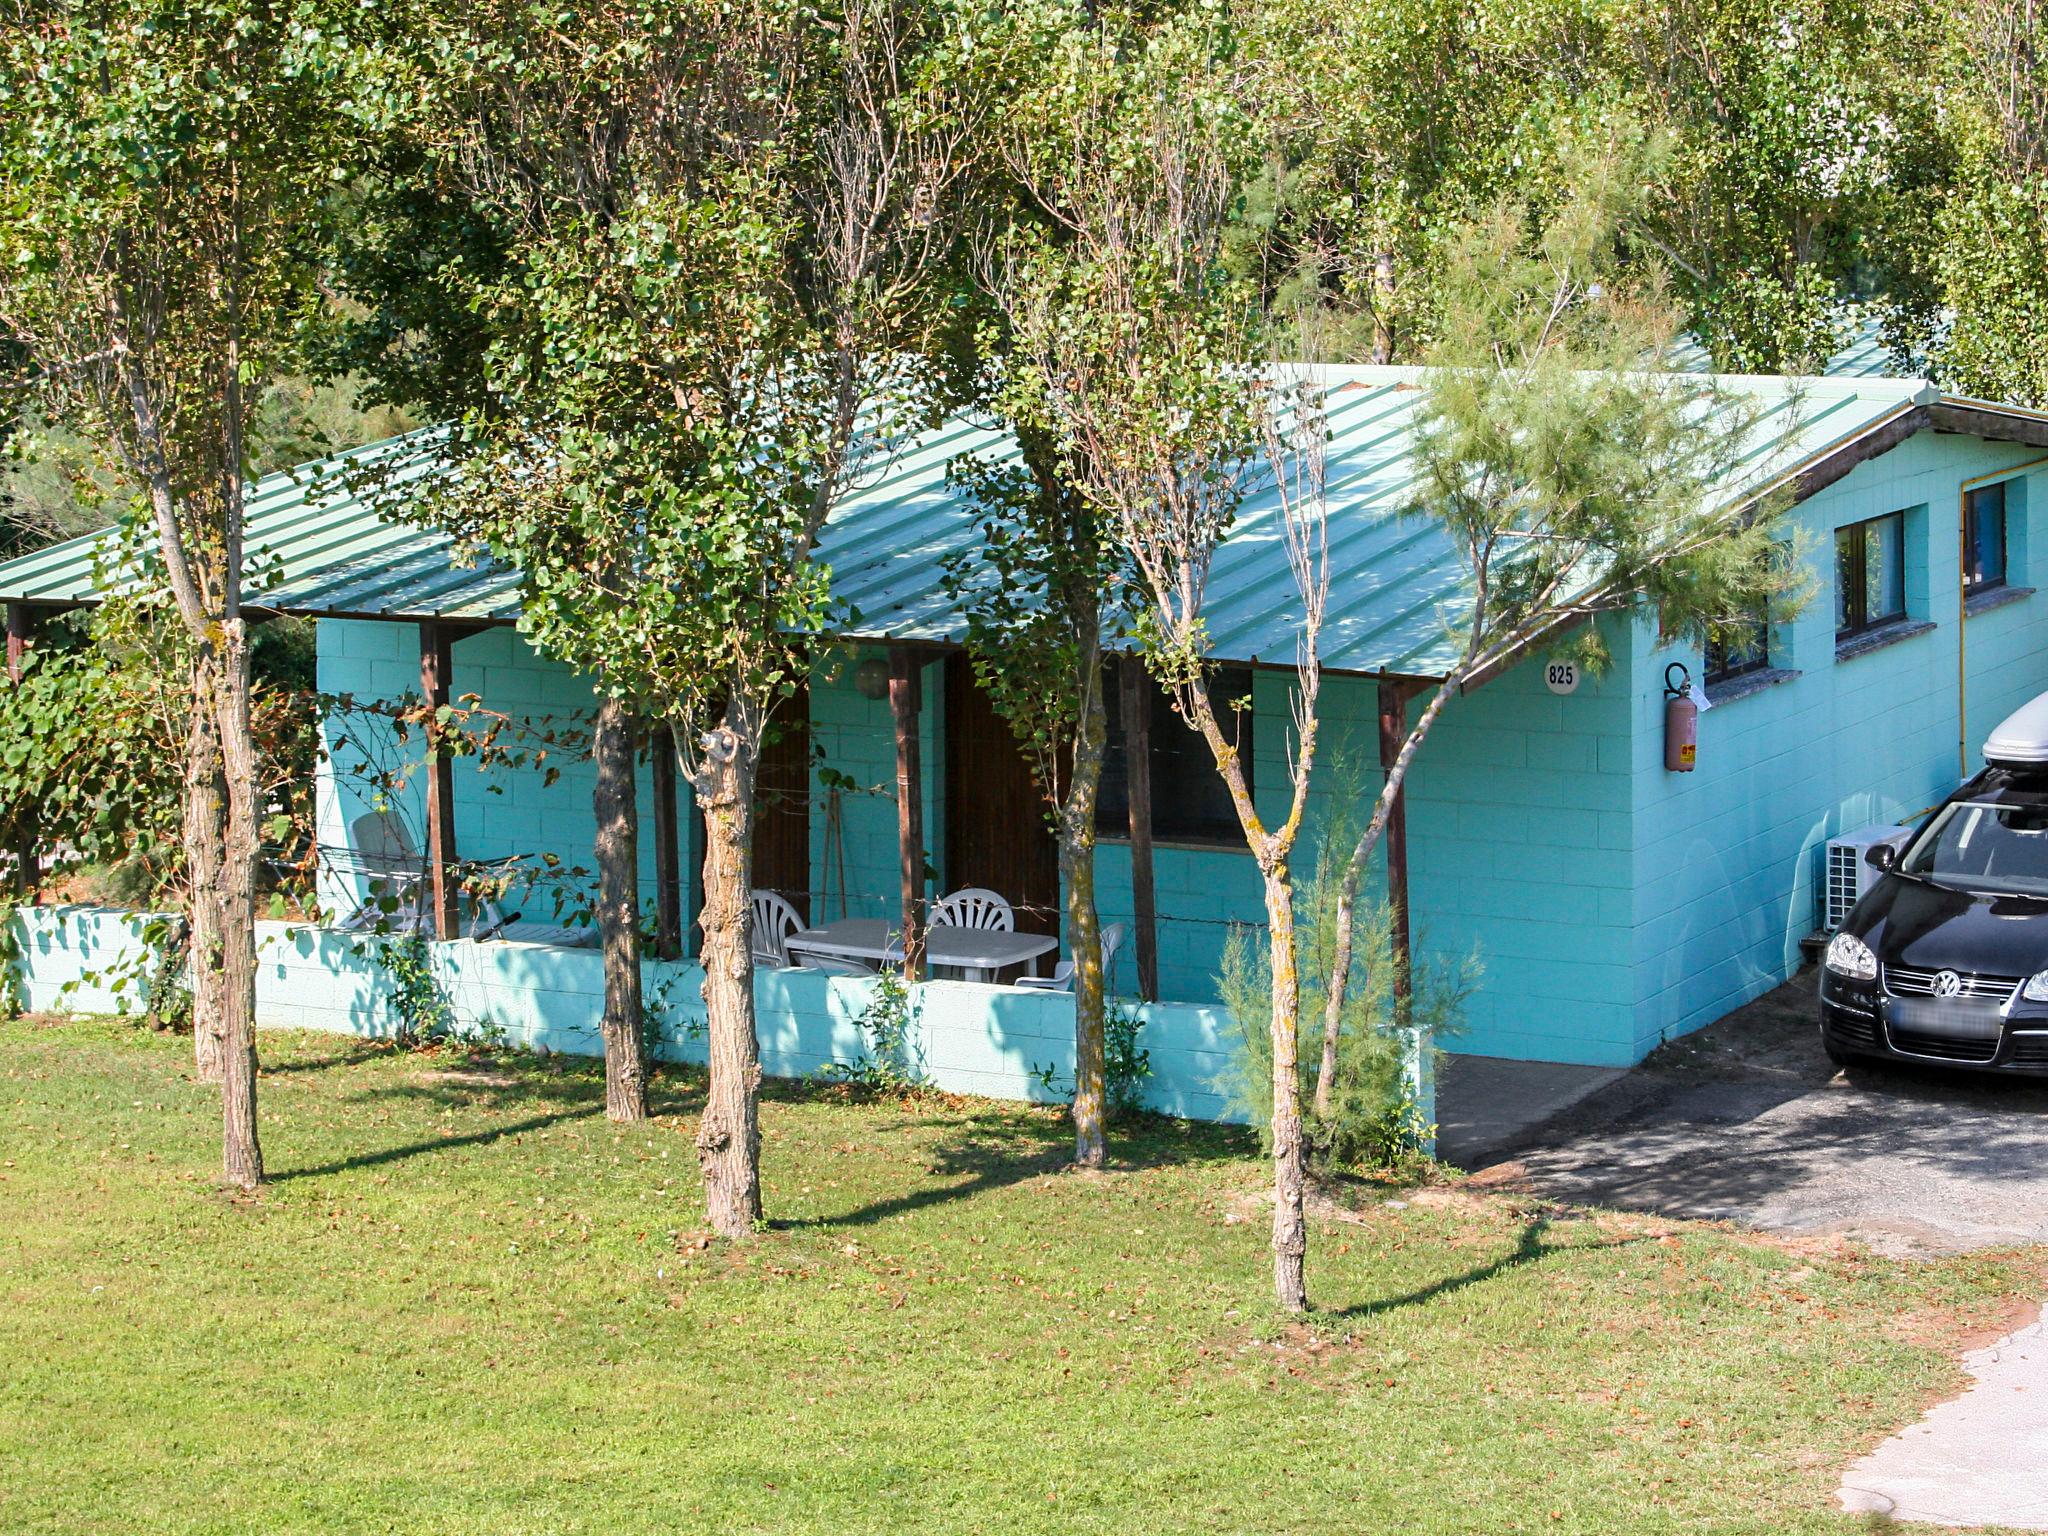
{"x": 1681, "y": 721}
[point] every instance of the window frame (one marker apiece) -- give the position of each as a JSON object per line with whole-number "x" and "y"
{"x": 1113, "y": 821}
{"x": 1712, "y": 674}
{"x": 1853, "y": 595}
{"x": 1974, "y": 581}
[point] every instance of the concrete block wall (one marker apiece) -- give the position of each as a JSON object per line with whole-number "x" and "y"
{"x": 967, "y": 1038}
{"x": 75, "y": 959}
{"x": 856, "y": 736}
{"x": 1518, "y": 857}
{"x": 1728, "y": 858}
{"x": 502, "y": 810}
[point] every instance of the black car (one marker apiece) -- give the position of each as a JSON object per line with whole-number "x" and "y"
{"x": 1945, "y": 959}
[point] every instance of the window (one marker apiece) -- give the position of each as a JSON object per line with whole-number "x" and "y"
{"x": 1736, "y": 649}
{"x": 1996, "y": 848}
{"x": 1870, "y": 574}
{"x": 1984, "y": 538}
{"x": 1189, "y": 801}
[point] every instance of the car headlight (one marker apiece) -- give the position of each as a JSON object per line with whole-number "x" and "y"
{"x": 2036, "y": 989}
{"x": 1849, "y": 956}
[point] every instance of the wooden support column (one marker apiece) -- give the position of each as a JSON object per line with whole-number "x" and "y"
{"x": 694, "y": 857}
{"x": 904, "y": 702}
{"x": 668, "y": 858}
{"x": 20, "y": 632}
{"x": 1136, "y": 710}
{"x": 437, "y": 665}
{"x": 1393, "y": 732}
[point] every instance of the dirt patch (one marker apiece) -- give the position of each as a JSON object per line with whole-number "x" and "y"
{"x": 1959, "y": 1330}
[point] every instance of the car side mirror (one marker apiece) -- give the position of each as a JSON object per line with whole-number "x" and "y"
{"x": 1882, "y": 856}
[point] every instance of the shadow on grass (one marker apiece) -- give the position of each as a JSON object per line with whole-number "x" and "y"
{"x": 1530, "y": 1248}
{"x": 353, "y": 1055}
{"x": 399, "y": 1154}
{"x": 987, "y": 1149}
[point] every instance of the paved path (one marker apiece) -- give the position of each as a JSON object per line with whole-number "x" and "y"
{"x": 1747, "y": 1121}
{"x": 1980, "y": 1459}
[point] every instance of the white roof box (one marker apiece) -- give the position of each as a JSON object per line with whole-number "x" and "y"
{"x": 2022, "y": 737}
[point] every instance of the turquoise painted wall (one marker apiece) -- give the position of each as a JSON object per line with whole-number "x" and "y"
{"x": 500, "y": 811}
{"x": 1519, "y": 855}
{"x": 1502, "y": 812}
{"x": 990, "y": 1041}
{"x": 1611, "y": 904}
{"x": 1728, "y": 858}
{"x": 854, "y": 866}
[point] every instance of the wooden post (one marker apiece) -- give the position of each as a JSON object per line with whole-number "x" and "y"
{"x": 20, "y": 631}
{"x": 668, "y": 858}
{"x": 1393, "y": 732}
{"x": 904, "y": 703}
{"x": 1136, "y": 708}
{"x": 698, "y": 851}
{"x": 437, "y": 664}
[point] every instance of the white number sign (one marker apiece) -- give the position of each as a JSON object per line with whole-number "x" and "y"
{"x": 1561, "y": 676}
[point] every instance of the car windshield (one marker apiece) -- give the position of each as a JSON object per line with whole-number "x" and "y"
{"x": 1979, "y": 846}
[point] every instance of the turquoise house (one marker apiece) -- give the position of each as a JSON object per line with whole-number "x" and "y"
{"x": 1613, "y": 903}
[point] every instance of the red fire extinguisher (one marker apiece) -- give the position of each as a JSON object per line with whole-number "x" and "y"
{"x": 1681, "y": 721}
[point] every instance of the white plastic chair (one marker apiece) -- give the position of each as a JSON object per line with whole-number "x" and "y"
{"x": 774, "y": 921}
{"x": 384, "y": 853}
{"x": 974, "y": 907}
{"x": 394, "y": 868}
{"x": 1062, "y": 977}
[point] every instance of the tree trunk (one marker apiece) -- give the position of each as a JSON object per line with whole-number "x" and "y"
{"x": 1382, "y": 308}
{"x": 1084, "y": 928}
{"x": 206, "y": 795}
{"x": 1290, "y": 1226}
{"x": 241, "y": 1153}
{"x": 618, "y": 911}
{"x": 729, "y": 1134}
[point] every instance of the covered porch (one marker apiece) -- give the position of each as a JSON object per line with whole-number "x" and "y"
{"x": 888, "y": 782}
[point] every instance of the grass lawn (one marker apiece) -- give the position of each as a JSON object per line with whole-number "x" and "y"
{"x": 467, "y": 1303}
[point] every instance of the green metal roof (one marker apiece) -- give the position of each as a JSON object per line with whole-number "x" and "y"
{"x": 1864, "y": 355}
{"x": 334, "y": 555}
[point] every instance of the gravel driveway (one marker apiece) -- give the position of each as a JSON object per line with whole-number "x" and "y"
{"x": 1747, "y": 1121}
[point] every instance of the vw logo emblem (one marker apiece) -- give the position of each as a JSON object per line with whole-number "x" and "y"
{"x": 1946, "y": 984}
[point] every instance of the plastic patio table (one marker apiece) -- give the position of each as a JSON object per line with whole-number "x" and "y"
{"x": 980, "y": 952}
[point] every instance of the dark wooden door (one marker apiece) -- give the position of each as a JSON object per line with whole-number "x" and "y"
{"x": 997, "y": 832}
{"x": 782, "y": 805}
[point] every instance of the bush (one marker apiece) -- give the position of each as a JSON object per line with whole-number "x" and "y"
{"x": 1375, "y": 1118}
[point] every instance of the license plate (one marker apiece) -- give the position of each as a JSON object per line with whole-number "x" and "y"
{"x": 1946, "y": 1017}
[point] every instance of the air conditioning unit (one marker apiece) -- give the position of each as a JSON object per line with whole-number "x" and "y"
{"x": 1848, "y": 874}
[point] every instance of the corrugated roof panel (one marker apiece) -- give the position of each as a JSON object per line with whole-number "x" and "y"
{"x": 886, "y": 542}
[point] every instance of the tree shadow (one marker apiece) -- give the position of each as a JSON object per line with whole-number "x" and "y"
{"x": 991, "y": 1149}
{"x": 1530, "y": 1248}
{"x": 353, "y": 1055}
{"x": 399, "y": 1154}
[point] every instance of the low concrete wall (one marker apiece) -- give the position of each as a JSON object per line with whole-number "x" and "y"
{"x": 997, "y": 1042}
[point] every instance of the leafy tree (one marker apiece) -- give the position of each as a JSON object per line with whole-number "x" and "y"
{"x": 1047, "y": 579}
{"x": 713, "y": 229}
{"x": 1140, "y": 337}
{"x": 1796, "y": 162}
{"x": 1566, "y": 479}
{"x": 1982, "y": 308}
{"x": 166, "y": 167}
{"x": 1387, "y": 123}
